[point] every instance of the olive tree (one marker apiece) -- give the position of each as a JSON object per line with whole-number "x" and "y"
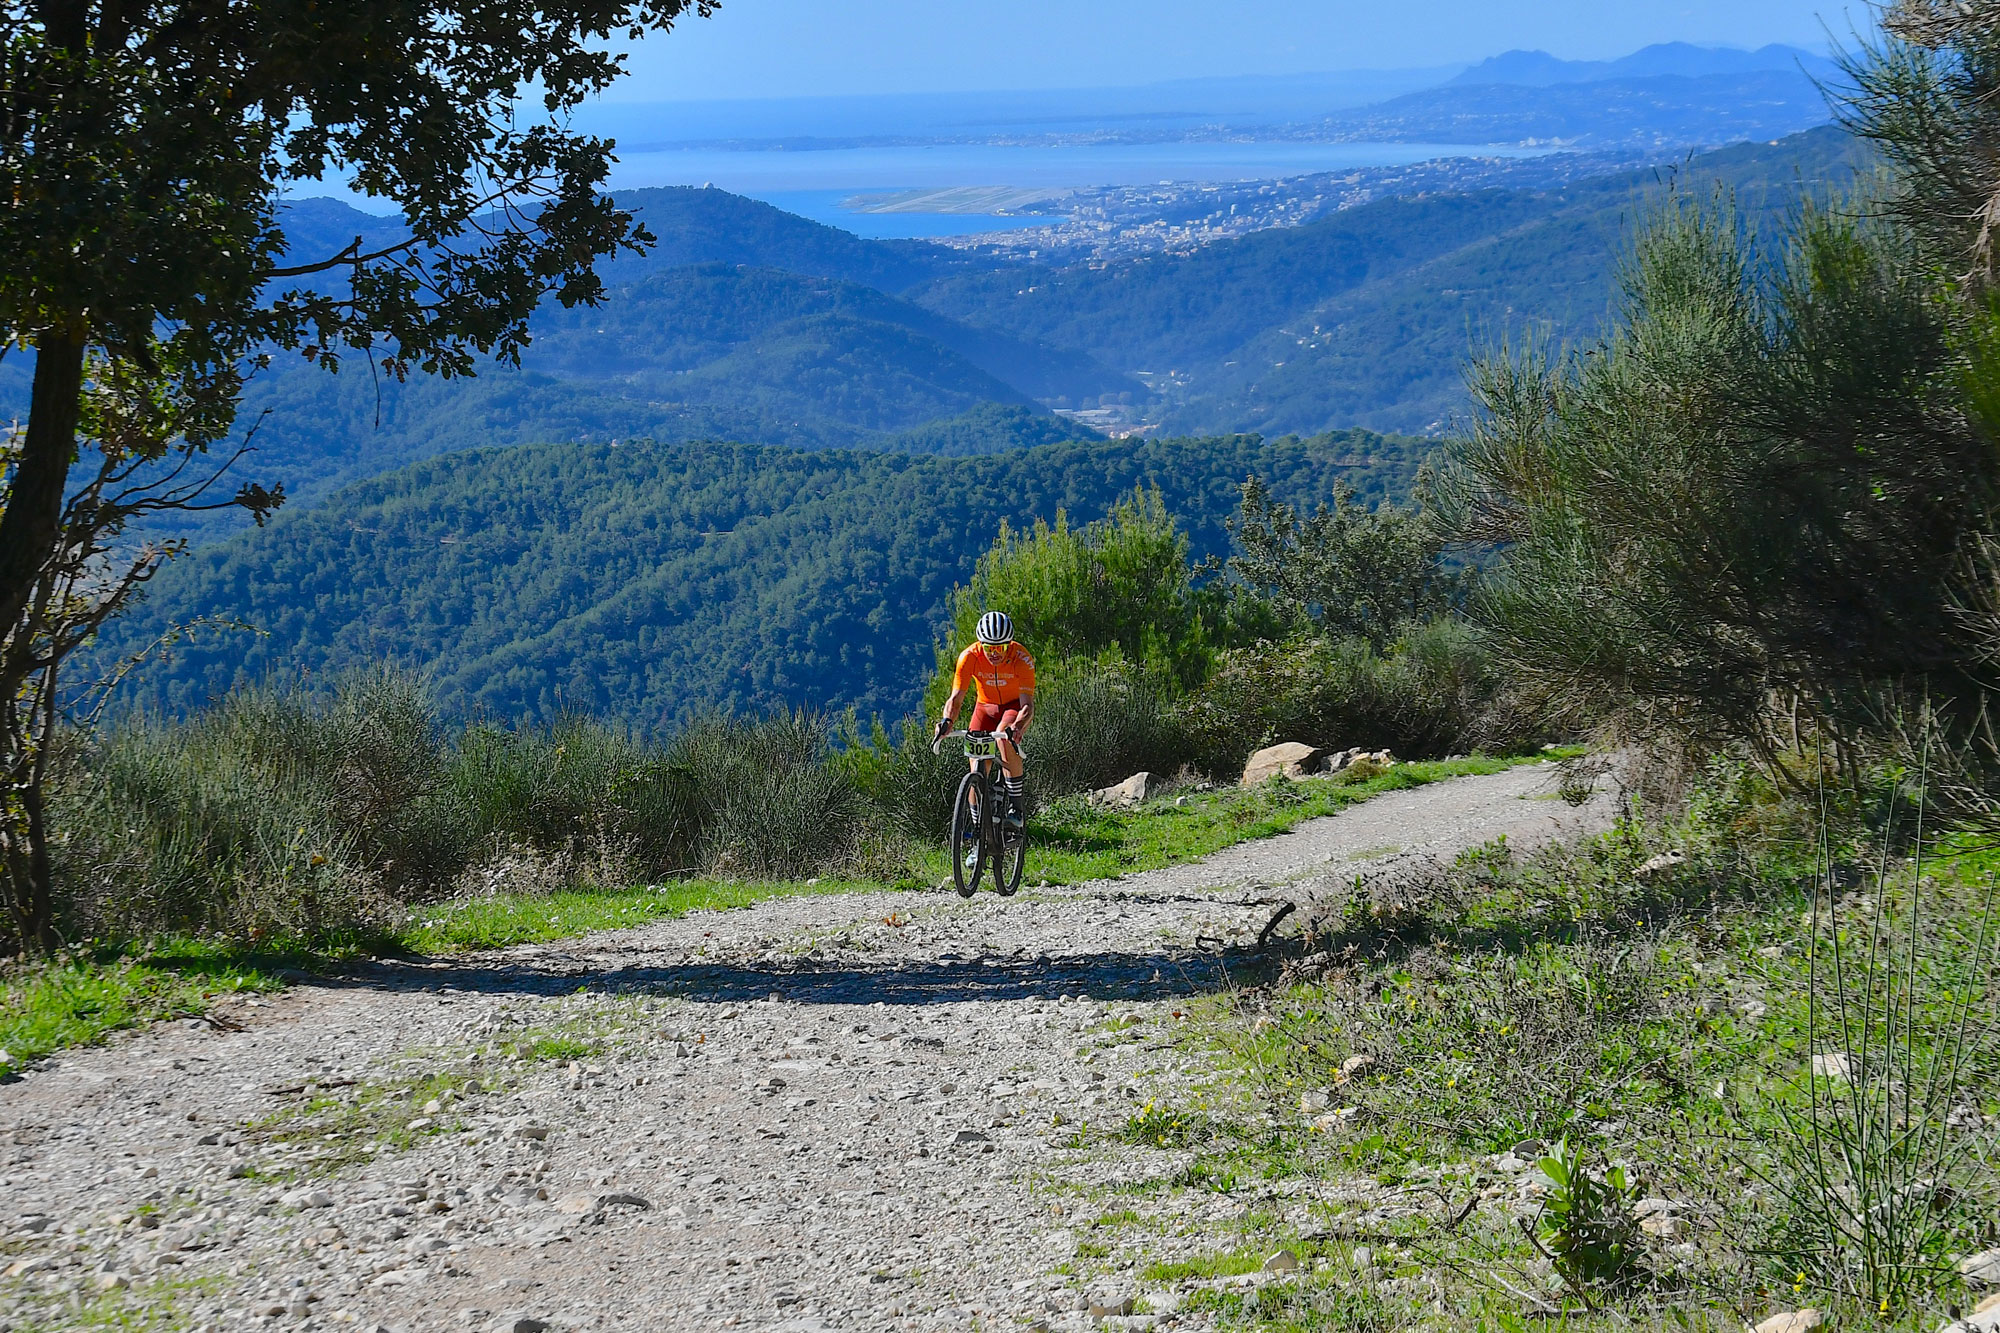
{"x": 146, "y": 147}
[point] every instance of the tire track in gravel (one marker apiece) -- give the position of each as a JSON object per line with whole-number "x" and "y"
{"x": 814, "y": 1113}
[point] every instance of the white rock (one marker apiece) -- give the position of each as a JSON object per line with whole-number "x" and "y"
{"x": 1982, "y": 1269}
{"x": 1124, "y": 795}
{"x": 1792, "y": 1321}
{"x": 1291, "y": 759}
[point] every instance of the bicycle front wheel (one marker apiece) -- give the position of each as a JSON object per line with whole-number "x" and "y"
{"x": 1010, "y": 858}
{"x": 968, "y": 834}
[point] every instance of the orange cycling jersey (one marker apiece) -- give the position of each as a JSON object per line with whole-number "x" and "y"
{"x": 1002, "y": 674}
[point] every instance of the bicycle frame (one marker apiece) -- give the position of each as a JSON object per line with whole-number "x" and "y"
{"x": 982, "y": 752}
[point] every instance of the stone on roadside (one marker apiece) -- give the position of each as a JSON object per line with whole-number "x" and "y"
{"x": 1981, "y": 1270}
{"x": 1124, "y": 795}
{"x": 1284, "y": 1261}
{"x": 1792, "y": 1321}
{"x": 1983, "y": 1318}
{"x": 625, "y": 1199}
{"x": 1291, "y": 759}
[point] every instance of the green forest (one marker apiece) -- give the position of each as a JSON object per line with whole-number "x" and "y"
{"x": 656, "y": 582}
{"x": 749, "y": 324}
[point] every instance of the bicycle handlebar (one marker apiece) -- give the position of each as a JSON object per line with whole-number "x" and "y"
{"x": 938, "y": 744}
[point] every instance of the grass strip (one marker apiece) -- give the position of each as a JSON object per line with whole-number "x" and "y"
{"x": 76, "y": 1000}
{"x": 1071, "y": 842}
{"x": 79, "y": 999}
{"x": 528, "y": 918}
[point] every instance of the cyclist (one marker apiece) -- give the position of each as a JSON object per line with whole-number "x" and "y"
{"x": 1004, "y": 676}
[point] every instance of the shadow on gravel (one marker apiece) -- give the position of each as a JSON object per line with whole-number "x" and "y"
{"x": 949, "y": 980}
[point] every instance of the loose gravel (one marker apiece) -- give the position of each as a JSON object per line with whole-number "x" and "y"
{"x": 853, "y": 1112}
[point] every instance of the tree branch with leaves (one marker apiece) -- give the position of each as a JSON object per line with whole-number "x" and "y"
{"x": 145, "y": 150}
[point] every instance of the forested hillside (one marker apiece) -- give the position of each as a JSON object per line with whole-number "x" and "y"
{"x": 749, "y": 324}
{"x": 654, "y": 582}
{"x": 1364, "y": 318}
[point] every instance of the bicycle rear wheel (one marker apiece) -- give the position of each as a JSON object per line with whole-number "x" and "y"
{"x": 968, "y": 834}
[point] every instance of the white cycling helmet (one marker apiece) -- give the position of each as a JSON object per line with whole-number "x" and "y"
{"x": 995, "y": 628}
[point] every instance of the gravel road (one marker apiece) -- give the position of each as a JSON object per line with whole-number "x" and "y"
{"x": 842, "y": 1112}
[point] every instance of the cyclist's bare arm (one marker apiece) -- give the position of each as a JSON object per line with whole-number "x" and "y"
{"x": 1027, "y": 713}
{"x": 950, "y": 714}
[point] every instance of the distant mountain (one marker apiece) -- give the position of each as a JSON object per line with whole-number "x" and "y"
{"x": 699, "y": 351}
{"x": 1539, "y": 69}
{"x": 990, "y": 428}
{"x": 658, "y": 335}
{"x": 1365, "y": 318}
{"x": 1640, "y": 113}
{"x": 653, "y": 583}
{"x": 689, "y": 226}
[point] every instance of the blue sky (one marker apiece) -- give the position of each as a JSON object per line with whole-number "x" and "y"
{"x": 777, "y": 48}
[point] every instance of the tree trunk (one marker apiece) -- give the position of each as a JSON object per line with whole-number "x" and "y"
{"x": 31, "y": 879}
{"x": 35, "y": 498}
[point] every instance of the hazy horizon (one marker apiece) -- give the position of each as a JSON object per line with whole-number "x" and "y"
{"x": 754, "y": 50}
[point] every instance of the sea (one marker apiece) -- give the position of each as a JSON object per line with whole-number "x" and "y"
{"x": 825, "y": 184}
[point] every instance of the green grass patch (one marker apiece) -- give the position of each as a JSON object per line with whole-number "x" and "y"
{"x": 148, "y": 1307}
{"x": 1233, "y": 1263}
{"x": 332, "y": 1130}
{"x": 528, "y": 918}
{"x": 1071, "y": 841}
{"x": 79, "y": 999}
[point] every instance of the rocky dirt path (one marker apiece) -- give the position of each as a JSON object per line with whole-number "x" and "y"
{"x": 853, "y": 1112}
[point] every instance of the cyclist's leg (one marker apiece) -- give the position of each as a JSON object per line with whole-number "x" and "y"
{"x": 1012, "y": 767}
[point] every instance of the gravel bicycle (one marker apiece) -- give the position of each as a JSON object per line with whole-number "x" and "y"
{"x": 980, "y": 837}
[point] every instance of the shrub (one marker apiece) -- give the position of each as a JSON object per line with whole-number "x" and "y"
{"x": 765, "y": 798}
{"x": 1098, "y": 723}
{"x": 1744, "y": 510}
{"x": 912, "y": 787}
{"x": 1587, "y": 1220}
{"x": 1121, "y": 587}
{"x": 280, "y": 812}
{"x": 1431, "y": 692}
{"x": 291, "y": 812}
{"x": 1343, "y": 571}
